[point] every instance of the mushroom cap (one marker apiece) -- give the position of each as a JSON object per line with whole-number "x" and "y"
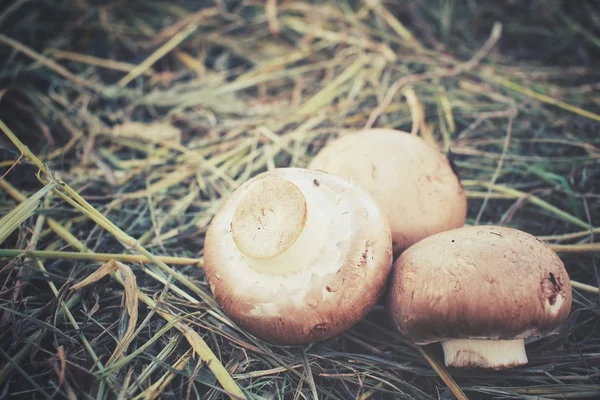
{"x": 322, "y": 288}
{"x": 414, "y": 183}
{"x": 478, "y": 282}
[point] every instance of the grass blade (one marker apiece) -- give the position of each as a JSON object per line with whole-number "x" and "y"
{"x": 11, "y": 221}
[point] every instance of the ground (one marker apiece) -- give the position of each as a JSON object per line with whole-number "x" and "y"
{"x": 136, "y": 118}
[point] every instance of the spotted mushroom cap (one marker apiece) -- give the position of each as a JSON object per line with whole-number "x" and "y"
{"x": 288, "y": 286}
{"x": 479, "y": 282}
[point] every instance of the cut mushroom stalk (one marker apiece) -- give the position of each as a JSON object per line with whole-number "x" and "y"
{"x": 495, "y": 354}
{"x": 277, "y": 229}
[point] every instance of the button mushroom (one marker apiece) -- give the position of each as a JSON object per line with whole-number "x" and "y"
{"x": 414, "y": 183}
{"x": 298, "y": 256}
{"x": 481, "y": 291}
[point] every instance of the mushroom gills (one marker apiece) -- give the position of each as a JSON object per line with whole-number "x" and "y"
{"x": 495, "y": 354}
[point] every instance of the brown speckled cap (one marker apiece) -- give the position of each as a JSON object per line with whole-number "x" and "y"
{"x": 482, "y": 282}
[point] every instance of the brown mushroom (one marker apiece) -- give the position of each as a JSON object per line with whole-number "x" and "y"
{"x": 298, "y": 256}
{"x": 480, "y": 291}
{"x": 414, "y": 183}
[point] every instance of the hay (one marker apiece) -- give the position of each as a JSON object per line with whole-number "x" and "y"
{"x": 139, "y": 118}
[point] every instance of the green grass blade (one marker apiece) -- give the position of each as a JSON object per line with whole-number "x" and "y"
{"x": 11, "y": 221}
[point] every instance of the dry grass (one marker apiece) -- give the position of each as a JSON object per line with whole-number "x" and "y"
{"x": 138, "y": 117}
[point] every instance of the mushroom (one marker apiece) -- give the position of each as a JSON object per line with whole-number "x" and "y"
{"x": 298, "y": 256}
{"x": 414, "y": 183}
{"x": 480, "y": 290}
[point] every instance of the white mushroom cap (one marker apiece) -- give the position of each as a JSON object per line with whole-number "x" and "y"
{"x": 298, "y": 256}
{"x": 480, "y": 290}
{"x": 414, "y": 183}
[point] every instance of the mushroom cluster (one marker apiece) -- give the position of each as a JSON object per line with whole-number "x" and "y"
{"x": 299, "y": 255}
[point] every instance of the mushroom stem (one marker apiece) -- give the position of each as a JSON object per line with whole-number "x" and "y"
{"x": 496, "y": 354}
{"x": 277, "y": 229}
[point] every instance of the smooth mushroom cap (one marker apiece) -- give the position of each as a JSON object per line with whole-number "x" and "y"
{"x": 485, "y": 283}
{"x": 298, "y": 256}
{"x": 414, "y": 183}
